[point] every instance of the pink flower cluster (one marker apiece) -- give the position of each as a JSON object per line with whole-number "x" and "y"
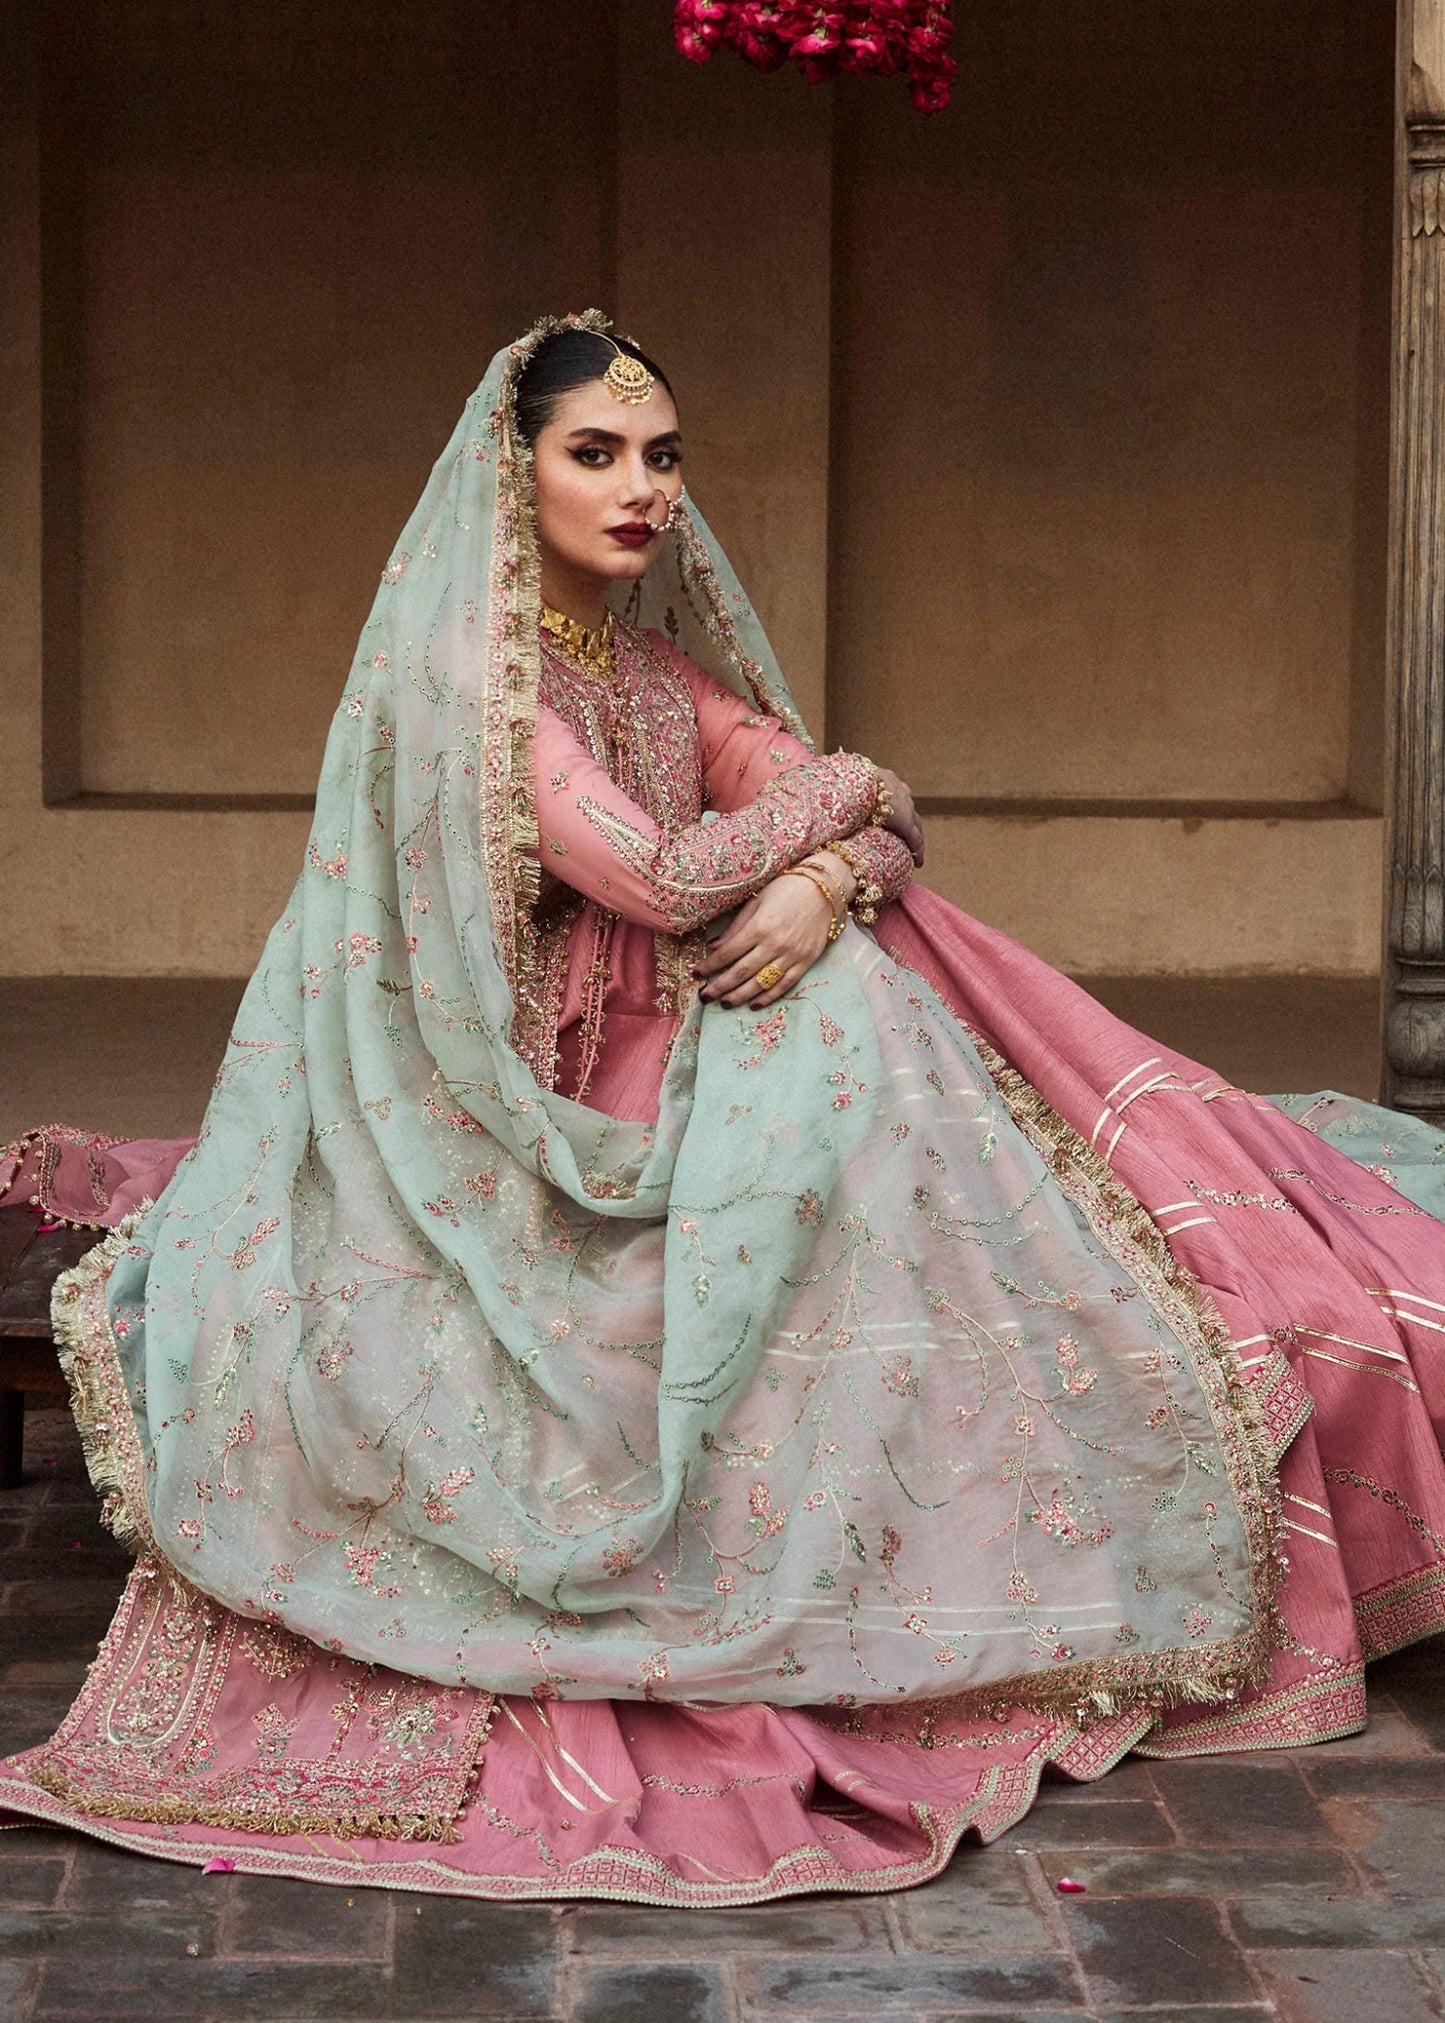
{"x": 881, "y": 38}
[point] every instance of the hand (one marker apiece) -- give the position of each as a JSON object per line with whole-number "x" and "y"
{"x": 904, "y": 820}
{"x": 786, "y": 922}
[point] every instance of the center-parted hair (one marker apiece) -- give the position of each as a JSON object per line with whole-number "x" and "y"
{"x": 566, "y": 359}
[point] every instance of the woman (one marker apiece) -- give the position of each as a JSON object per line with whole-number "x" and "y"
{"x": 680, "y": 1366}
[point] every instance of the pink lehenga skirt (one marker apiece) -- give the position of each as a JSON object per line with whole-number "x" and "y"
{"x": 202, "y": 1735}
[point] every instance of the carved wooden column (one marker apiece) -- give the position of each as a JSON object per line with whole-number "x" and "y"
{"x": 1414, "y": 1050}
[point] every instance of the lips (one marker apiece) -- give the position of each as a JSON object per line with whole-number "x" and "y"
{"x": 632, "y": 533}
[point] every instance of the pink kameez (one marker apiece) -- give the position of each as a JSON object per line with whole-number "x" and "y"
{"x": 652, "y": 873}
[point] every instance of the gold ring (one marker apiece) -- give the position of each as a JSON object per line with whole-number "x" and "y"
{"x": 768, "y": 975}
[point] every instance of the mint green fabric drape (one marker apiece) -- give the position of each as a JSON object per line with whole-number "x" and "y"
{"x": 849, "y": 1379}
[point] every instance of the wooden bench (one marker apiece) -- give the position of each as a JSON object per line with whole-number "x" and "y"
{"x": 31, "y": 1259}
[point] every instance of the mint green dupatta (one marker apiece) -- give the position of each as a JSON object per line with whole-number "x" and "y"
{"x": 837, "y": 1384}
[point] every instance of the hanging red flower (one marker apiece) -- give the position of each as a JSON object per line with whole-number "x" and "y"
{"x": 881, "y": 38}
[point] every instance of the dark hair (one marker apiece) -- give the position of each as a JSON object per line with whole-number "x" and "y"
{"x": 565, "y": 359}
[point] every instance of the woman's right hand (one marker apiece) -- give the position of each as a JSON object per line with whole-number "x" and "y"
{"x": 785, "y": 923}
{"x": 903, "y": 820}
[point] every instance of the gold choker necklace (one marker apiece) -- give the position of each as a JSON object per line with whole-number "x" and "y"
{"x": 589, "y": 645}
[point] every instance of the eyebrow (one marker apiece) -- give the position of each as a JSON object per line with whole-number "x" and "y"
{"x": 613, "y": 440}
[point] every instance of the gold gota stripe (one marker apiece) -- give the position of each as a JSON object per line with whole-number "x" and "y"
{"x": 1155, "y": 1083}
{"x": 1153, "y": 1061}
{"x": 1366, "y": 1369}
{"x": 579, "y": 1805}
{"x": 544, "y": 1719}
{"x": 1397, "y": 1292}
{"x": 1099, "y": 1123}
{"x": 1415, "y": 1320}
{"x": 1348, "y": 1342}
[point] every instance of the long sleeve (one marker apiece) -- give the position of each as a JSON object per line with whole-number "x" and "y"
{"x": 884, "y": 858}
{"x": 596, "y": 839}
{"x": 743, "y": 751}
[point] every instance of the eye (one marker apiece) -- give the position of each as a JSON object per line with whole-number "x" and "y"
{"x": 666, "y": 460}
{"x": 592, "y": 455}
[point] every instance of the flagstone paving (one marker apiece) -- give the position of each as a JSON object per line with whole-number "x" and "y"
{"x": 1300, "y": 1886}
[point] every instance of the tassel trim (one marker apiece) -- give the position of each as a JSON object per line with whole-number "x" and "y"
{"x": 99, "y": 1400}
{"x": 1106, "y": 1686}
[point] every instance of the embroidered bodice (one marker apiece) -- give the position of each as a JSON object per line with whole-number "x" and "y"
{"x": 663, "y": 799}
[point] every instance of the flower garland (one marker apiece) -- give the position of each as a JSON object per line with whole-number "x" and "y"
{"x": 880, "y": 38}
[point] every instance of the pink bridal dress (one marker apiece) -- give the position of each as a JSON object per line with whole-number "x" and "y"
{"x": 207, "y": 1732}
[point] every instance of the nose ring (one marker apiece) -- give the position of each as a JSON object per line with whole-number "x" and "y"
{"x": 666, "y": 525}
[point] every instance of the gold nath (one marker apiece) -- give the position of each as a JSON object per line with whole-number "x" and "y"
{"x": 626, "y": 378}
{"x": 589, "y": 645}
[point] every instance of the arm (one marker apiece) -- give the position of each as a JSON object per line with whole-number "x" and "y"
{"x": 594, "y": 838}
{"x": 743, "y": 751}
{"x": 886, "y": 864}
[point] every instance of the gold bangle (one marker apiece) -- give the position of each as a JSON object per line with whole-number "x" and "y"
{"x": 845, "y": 853}
{"x": 840, "y": 903}
{"x": 867, "y": 893}
{"x": 815, "y": 877}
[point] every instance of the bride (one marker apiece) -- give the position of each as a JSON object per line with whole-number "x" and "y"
{"x": 681, "y": 1366}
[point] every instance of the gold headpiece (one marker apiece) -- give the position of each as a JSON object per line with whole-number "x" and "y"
{"x": 626, "y": 378}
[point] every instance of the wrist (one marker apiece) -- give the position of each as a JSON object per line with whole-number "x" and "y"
{"x": 867, "y": 894}
{"x": 837, "y": 869}
{"x": 812, "y": 874}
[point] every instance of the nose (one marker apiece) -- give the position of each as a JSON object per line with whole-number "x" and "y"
{"x": 639, "y": 484}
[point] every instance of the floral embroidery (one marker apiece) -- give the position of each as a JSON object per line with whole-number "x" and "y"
{"x": 710, "y": 866}
{"x": 392, "y": 1757}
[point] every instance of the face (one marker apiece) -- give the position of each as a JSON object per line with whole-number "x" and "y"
{"x": 603, "y": 468}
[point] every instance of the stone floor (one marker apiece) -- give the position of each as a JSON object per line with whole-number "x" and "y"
{"x": 1306, "y": 1887}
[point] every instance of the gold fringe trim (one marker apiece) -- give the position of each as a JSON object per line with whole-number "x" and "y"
{"x": 510, "y": 718}
{"x": 345, "y": 1825}
{"x": 99, "y": 1401}
{"x": 1095, "y": 1688}
{"x": 1119, "y": 1219}
{"x": 105, "y": 1678}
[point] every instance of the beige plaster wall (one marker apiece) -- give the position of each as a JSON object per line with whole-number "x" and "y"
{"x": 294, "y": 274}
{"x": 297, "y": 239}
{"x": 1100, "y": 490}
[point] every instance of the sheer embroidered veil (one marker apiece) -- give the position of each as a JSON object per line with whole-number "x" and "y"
{"x": 443, "y": 1370}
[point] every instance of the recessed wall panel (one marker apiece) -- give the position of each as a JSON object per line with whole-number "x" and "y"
{"x": 300, "y": 250}
{"x": 1101, "y": 363}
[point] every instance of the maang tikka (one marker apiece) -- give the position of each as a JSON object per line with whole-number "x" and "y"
{"x": 626, "y": 378}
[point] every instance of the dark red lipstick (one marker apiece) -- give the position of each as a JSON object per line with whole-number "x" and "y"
{"x": 633, "y": 533}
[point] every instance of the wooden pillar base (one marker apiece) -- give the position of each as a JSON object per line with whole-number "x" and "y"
{"x": 1414, "y": 1049}
{"x": 1415, "y": 1040}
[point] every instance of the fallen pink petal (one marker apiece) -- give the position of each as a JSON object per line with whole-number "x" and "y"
{"x": 220, "y": 1866}
{"x": 1067, "y": 1887}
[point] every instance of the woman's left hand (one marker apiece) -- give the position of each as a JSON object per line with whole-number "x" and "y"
{"x": 786, "y": 923}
